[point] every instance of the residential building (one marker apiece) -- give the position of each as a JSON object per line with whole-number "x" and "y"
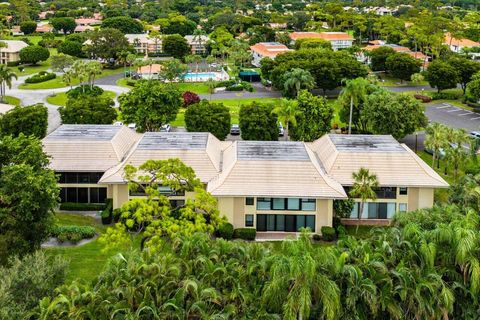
{"x": 375, "y": 44}
{"x": 88, "y": 22}
{"x": 339, "y": 40}
{"x": 266, "y": 50}
{"x": 83, "y": 29}
{"x": 457, "y": 45}
{"x": 149, "y": 71}
{"x": 11, "y": 52}
{"x": 197, "y": 43}
{"x": 143, "y": 43}
{"x": 268, "y": 185}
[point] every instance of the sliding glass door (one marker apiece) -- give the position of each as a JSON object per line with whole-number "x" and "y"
{"x": 285, "y": 222}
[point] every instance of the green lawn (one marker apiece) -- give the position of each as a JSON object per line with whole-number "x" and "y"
{"x": 86, "y": 261}
{"x": 60, "y": 99}
{"x": 232, "y": 104}
{"x": 41, "y": 66}
{"x": 58, "y": 82}
{"x": 12, "y": 100}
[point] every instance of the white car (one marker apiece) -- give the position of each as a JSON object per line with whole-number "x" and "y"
{"x": 132, "y": 126}
{"x": 281, "y": 131}
{"x": 118, "y": 123}
{"x": 165, "y": 128}
{"x": 475, "y": 134}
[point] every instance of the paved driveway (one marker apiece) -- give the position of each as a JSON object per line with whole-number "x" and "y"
{"x": 453, "y": 116}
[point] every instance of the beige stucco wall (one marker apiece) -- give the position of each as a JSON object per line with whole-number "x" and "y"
{"x": 119, "y": 195}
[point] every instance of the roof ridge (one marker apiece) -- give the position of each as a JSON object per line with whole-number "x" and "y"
{"x": 317, "y": 164}
{"x": 428, "y": 170}
{"x": 224, "y": 174}
{"x": 120, "y": 164}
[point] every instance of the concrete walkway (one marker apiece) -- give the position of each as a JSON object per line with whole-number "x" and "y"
{"x": 31, "y": 96}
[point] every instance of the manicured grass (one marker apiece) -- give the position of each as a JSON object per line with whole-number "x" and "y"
{"x": 389, "y": 81}
{"x": 86, "y": 261}
{"x": 58, "y": 82}
{"x": 12, "y": 100}
{"x": 123, "y": 83}
{"x": 60, "y": 99}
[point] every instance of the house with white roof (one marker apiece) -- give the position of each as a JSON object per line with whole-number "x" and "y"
{"x": 273, "y": 186}
{"x": 11, "y": 52}
{"x": 197, "y": 43}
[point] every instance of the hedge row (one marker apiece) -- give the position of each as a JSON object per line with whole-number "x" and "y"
{"x": 41, "y": 77}
{"x": 73, "y": 233}
{"x": 73, "y": 206}
{"x": 245, "y": 233}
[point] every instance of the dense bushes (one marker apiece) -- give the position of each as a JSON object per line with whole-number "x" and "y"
{"x": 190, "y": 98}
{"x": 29, "y": 120}
{"x": 240, "y": 86}
{"x": 25, "y": 281}
{"x": 106, "y": 214}
{"x": 245, "y": 233}
{"x": 73, "y": 206}
{"x": 225, "y": 231}
{"x": 41, "y": 77}
{"x": 328, "y": 233}
{"x": 73, "y": 233}
{"x": 84, "y": 90}
{"x": 424, "y": 267}
{"x": 446, "y": 95}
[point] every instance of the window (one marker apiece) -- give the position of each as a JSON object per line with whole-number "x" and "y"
{"x": 263, "y": 203}
{"x": 249, "y": 201}
{"x": 403, "y": 190}
{"x": 283, "y": 222}
{"x": 177, "y": 203}
{"x": 278, "y": 204}
{"x": 83, "y": 195}
{"x": 249, "y": 220}
{"x": 293, "y": 204}
{"x": 290, "y": 204}
{"x": 402, "y": 207}
{"x": 308, "y": 204}
{"x": 80, "y": 177}
{"x": 374, "y": 210}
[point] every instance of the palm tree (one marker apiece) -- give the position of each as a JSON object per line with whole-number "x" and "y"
{"x": 93, "y": 69}
{"x": 364, "y": 186}
{"x": 198, "y": 35}
{"x": 210, "y": 59}
{"x": 68, "y": 77}
{"x": 455, "y": 153}
{"x": 80, "y": 72}
{"x": 6, "y": 77}
{"x": 298, "y": 79}
{"x": 211, "y": 84}
{"x": 288, "y": 112}
{"x": 130, "y": 60}
{"x": 122, "y": 58}
{"x": 435, "y": 139}
{"x": 356, "y": 91}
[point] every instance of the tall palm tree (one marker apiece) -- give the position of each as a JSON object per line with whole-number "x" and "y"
{"x": 364, "y": 186}
{"x": 287, "y": 111}
{"x": 6, "y": 77}
{"x": 355, "y": 90}
{"x": 298, "y": 79}
{"x": 93, "y": 69}
{"x": 210, "y": 59}
{"x": 456, "y": 154}
{"x": 198, "y": 35}
{"x": 435, "y": 139}
{"x": 68, "y": 77}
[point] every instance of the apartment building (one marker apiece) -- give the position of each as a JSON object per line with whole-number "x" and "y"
{"x": 339, "y": 40}
{"x": 11, "y": 52}
{"x": 197, "y": 43}
{"x": 266, "y": 50}
{"x": 273, "y": 186}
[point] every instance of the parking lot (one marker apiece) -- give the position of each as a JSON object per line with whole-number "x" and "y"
{"x": 453, "y": 116}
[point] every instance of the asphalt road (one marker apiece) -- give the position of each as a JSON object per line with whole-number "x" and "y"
{"x": 453, "y": 116}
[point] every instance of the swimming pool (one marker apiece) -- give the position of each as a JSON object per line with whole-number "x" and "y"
{"x": 201, "y": 76}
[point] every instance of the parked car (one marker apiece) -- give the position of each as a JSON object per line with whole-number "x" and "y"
{"x": 235, "y": 130}
{"x": 281, "y": 131}
{"x": 475, "y": 134}
{"x": 132, "y": 126}
{"x": 118, "y": 123}
{"x": 165, "y": 128}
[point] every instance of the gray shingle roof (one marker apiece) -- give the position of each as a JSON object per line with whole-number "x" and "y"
{"x": 85, "y": 132}
{"x": 173, "y": 141}
{"x": 366, "y": 143}
{"x": 272, "y": 150}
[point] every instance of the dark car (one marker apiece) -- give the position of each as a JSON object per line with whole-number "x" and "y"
{"x": 235, "y": 129}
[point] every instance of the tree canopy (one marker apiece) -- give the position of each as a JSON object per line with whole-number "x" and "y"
{"x": 29, "y": 120}
{"x": 258, "y": 122}
{"x": 88, "y": 110}
{"x": 150, "y": 105}
{"x": 124, "y": 24}
{"x": 208, "y": 117}
{"x": 34, "y": 54}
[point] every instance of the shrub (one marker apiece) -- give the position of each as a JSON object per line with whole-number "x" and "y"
{"x": 341, "y": 231}
{"x": 21, "y": 68}
{"x": 225, "y": 231}
{"x": 245, "y": 233}
{"x": 73, "y": 233}
{"x": 107, "y": 212}
{"x": 73, "y": 206}
{"x": 225, "y": 83}
{"x": 328, "y": 233}
{"x": 84, "y": 90}
{"x": 343, "y": 208}
{"x": 317, "y": 237}
{"x": 116, "y": 213}
{"x": 190, "y": 98}
{"x": 446, "y": 95}
{"x": 41, "y": 77}
{"x": 13, "y": 63}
